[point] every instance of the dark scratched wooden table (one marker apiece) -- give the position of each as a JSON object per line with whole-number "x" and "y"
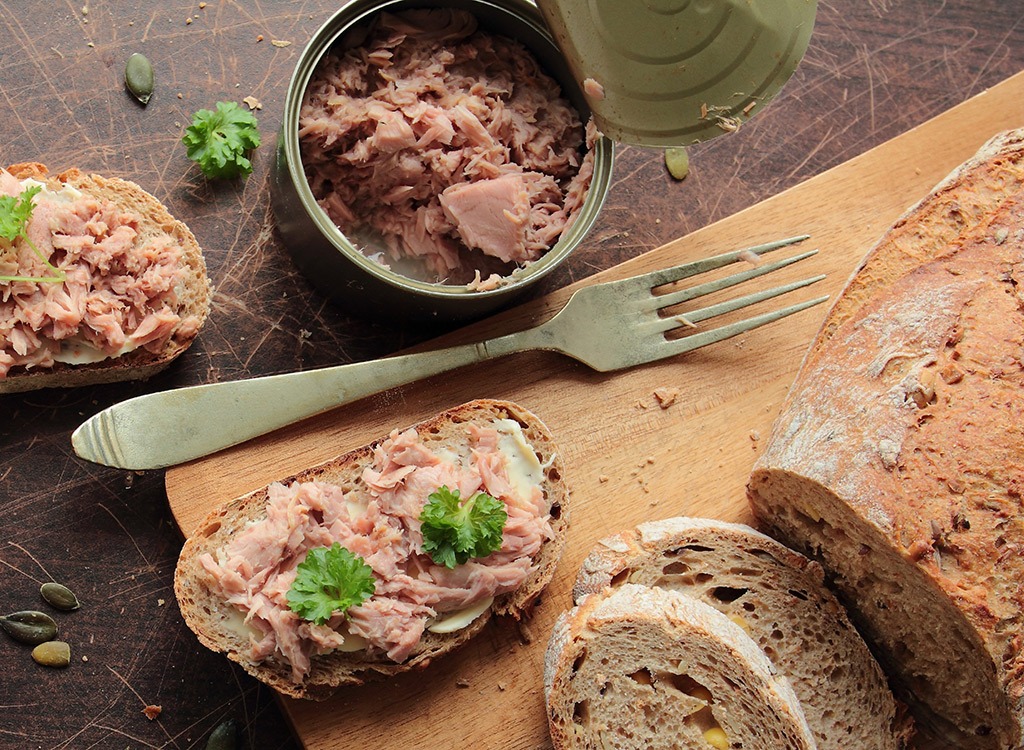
{"x": 874, "y": 69}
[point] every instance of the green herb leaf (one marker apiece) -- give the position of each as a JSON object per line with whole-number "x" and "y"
{"x": 15, "y": 213}
{"x": 219, "y": 141}
{"x": 454, "y": 531}
{"x": 330, "y": 579}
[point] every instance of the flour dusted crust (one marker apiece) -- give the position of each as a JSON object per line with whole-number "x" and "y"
{"x": 779, "y": 597}
{"x": 194, "y": 290}
{"x": 211, "y": 619}
{"x": 642, "y": 668}
{"x": 897, "y": 458}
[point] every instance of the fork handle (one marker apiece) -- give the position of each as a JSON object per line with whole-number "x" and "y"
{"x": 171, "y": 427}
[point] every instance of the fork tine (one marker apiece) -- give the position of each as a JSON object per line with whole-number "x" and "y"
{"x": 672, "y": 347}
{"x": 697, "y": 267}
{"x": 669, "y": 322}
{"x": 683, "y": 295}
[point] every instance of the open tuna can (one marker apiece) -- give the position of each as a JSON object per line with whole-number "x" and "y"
{"x": 402, "y": 198}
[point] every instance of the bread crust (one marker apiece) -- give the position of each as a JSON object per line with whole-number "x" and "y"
{"x": 896, "y": 457}
{"x": 210, "y": 617}
{"x": 628, "y": 667}
{"x": 780, "y": 598}
{"x": 194, "y": 291}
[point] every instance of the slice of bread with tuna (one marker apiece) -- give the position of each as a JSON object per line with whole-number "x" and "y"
{"x": 238, "y": 577}
{"x": 102, "y": 285}
{"x": 780, "y": 599}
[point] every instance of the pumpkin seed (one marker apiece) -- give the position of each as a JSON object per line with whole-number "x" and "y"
{"x": 224, "y": 737}
{"x": 59, "y": 596}
{"x": 52, "y": 654}
{"x": 138, "y": 77}
{"x": 29, "y": 627}
{"x": 678, "y": 162}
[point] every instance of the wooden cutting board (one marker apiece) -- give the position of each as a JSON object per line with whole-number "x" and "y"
{"x": 627, "y": 457}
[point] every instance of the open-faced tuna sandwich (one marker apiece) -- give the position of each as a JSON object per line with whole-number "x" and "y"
{"x": 98, "y": 282}
{"x": 384, "y": 558}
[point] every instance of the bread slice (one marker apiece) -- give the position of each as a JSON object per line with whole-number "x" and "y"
{"x": 193, "y": 291}
{"x": 896, "y": 459}
{"x": 779, "y": 597}
{"x": 641, "y": 668}
{"x": 217, "y": 623}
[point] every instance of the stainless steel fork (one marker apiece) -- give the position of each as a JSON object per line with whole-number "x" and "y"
{"x": 607, "y": 326}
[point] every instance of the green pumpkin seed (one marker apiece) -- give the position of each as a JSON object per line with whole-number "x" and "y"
{"x": 29, "y": 627}
{"x": 678, "y": 162}
{"x": 138, "y": 77}
{"x": 52, "y": 654}
{"x": 224, "y": 737}
{"x": 59, "y": 596}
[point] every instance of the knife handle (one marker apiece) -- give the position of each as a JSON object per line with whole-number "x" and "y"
{"x": 170, "y": 427}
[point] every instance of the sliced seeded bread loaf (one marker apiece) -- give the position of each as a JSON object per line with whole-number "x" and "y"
{"x": 218, "y": 624}
{"x": 779, "y": 597}
{"x": 191, "y": 293}
{"x": 641, "y": 668}
{"x": 896, "y": 460}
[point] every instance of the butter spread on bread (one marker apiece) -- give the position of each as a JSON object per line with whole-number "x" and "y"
{"x": 780, "y": 599}
{"x": 643, "y": 668}
{"x": 234, "y": 573}
{"x": 898, "y": 457}
{"x": 123, "y": 288}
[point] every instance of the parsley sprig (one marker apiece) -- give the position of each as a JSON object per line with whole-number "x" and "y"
{"x": 220, "y": 140}
{"x": 455, "y": 531}
{"x": 330, "y": 579}
{"x": 15, "y": 214}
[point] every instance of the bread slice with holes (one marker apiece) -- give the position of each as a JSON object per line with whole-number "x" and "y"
{"x": 369, "y": 501}
{"x": 134, "y": 292}
{"x": 643, "y": 668}
{"x": 780, "y": 599}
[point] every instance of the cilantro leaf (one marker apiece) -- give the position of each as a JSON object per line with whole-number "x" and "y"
{"x": 218, "y": 141}
{"x": 455, "y": 531}
{"x": 330, "y": 579}
{"x": 15, "y": 213}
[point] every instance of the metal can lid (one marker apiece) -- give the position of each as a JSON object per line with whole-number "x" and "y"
{"x": 676, "y": 72}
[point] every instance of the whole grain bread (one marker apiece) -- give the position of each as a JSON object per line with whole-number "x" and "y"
{"x": 215, "y": 622}
{"x": 193, "y": 291}
{"x": 896, "y": 459}
{"x": 641, "y": 668}
{"x": 780, "y": 598}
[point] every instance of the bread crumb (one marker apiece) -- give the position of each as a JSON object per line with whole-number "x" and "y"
{"x": 280, "y": 43}
{"x": 259, "y": 38}
{"x": 502, "y": 686}
{"x": 85, "y": 658}
{"x": 188, "y": 21}
{"x": 603, "y": 478}
{"x": 160, "y": 602}
{"x": 750, "y": 256}
{"x": 755, "y": 435}
{"x": 152, "y": 712}
{"x": 666, "y": 396}
{"x": 253, "y": 103}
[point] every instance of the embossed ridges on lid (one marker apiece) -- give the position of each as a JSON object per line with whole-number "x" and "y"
{"x": 675, "y": 72}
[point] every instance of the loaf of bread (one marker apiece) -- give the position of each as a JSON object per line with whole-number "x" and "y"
{"x": 897, "y": 457}
{"x": 234, "y": 572}
{"x": 779, "y": 597}
{"x": 641, "y": 668}
{"x": 131, "y": 294}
